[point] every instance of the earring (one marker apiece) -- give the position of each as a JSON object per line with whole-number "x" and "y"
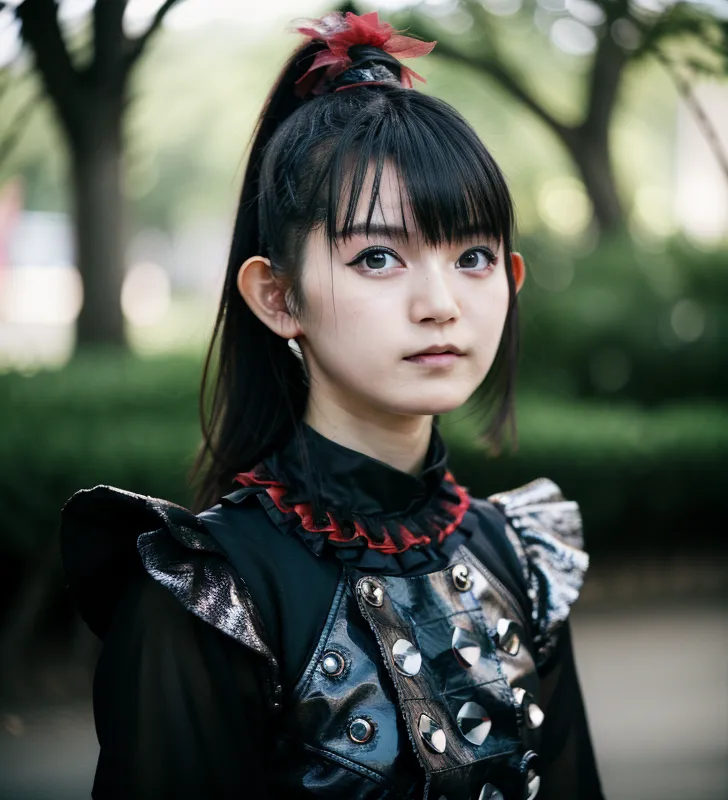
{"x": 296, "y": 350}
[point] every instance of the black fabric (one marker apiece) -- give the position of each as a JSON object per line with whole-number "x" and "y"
{"x": 345, "y": 481}
{"x": 179, "y": 707}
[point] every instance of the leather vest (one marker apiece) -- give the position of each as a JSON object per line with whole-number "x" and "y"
{"x": 439, "y": 665}
{"x": 420, "y": 686}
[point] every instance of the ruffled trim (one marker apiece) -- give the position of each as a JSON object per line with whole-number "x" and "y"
{"x": 546, "y": 532}
{"x": 176, "y": 550}
{"x": 383, "y": 534}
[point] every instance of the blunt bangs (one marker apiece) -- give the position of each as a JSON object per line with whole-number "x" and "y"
{"x": 447, "y": 179}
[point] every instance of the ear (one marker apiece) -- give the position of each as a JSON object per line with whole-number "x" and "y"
{"x": 265, "y": 297}
{"x": 518, "y": 265}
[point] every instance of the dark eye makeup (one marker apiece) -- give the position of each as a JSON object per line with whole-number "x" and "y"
{"x": 379, "y": 251}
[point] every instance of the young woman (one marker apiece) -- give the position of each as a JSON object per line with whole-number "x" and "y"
{"x": 341, "y": 619}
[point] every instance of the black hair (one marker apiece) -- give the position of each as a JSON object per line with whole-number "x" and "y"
{"x": 308, "y": 162}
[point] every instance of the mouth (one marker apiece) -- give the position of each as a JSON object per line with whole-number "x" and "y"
{"x": 437, "y": 355}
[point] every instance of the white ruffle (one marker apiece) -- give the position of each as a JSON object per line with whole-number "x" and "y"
{"x": 546, "y": 532}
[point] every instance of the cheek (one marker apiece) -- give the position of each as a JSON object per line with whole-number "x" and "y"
{"x": 347, "y": 313}
{"x": 486, "y": 309}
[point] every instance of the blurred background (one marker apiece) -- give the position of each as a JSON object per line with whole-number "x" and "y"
{"x": 123, "y": 133}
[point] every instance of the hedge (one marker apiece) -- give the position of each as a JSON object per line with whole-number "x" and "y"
{"x": 645, "y": 477}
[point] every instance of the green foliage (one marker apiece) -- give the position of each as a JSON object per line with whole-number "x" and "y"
{"x": 625, "y": 322}
{"x": 639, "y": 475}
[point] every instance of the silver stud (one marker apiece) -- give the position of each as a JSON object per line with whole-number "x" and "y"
{"x": 360, "y": 730}
{"x": 466, "y": 647}
{"x": 432, "y": 734}
{"x": 533, "y": 714}
{"x": 333, "y": 663}
{"x": 461, "y": 577}
{"x": 507, "y": 637}
{"x": 474, "y": 723}
{"x": 372, "y": 592}
{"x": 534, "y": 784}
{"x": 489, "y": 792}
{"x": 407, "y": 658}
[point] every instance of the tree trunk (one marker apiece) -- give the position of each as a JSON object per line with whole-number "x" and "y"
{"x": 592, "y": 158}
{"x": 97, "y": 158}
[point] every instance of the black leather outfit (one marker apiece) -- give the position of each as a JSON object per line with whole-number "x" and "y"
{"x": 393, "y": 638}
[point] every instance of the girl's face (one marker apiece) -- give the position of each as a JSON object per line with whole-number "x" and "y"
{"x": 383, "y": 301}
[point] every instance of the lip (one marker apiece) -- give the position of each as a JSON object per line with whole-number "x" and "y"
{"x": 437, "y": 349}
{"x": 436, "y": 356}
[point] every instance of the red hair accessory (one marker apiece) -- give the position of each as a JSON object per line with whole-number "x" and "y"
{"x": 339, "y": 32}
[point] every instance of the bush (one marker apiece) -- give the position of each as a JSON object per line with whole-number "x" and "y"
{"x": 625, "y": 323}
{"x": 641, "y": 476}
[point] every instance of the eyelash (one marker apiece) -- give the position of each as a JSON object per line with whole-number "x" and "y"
{"x": 486, "y": 251}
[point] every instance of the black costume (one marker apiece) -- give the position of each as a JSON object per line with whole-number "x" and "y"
{"x": 409, "y": 642}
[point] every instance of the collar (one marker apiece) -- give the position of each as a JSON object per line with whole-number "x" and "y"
{"x": 345, "y": 480}
{"x": 352, "y": 499}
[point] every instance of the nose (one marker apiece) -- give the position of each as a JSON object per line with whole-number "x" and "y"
{"x": 433, "y": 299}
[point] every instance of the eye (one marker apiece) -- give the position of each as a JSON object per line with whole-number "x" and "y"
{"x": 477, "y": 259}
{"x": 375, "y": 259}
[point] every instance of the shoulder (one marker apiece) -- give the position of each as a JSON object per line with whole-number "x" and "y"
{"x": 546, "y": 532}
{"x": 107, "y": 535}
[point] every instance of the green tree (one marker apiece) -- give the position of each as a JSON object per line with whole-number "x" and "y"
{"x": 686, "y": 35}
{"x": 88, "y": 90}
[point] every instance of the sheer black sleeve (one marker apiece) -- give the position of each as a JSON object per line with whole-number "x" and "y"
{"x": 569, "y": 765}
{"x": 178, "y": 705}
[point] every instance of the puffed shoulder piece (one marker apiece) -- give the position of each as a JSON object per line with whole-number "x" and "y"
{"x": 104, "y": 528}
{"x": 546, "y": 532}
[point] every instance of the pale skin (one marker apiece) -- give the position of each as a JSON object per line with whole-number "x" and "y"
{"x": 362, "y": 321}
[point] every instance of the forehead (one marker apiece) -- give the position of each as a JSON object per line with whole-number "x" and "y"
{"x": 385, "y": 202}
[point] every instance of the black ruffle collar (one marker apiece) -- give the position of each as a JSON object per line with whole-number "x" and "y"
{"x": 369, "y": 513}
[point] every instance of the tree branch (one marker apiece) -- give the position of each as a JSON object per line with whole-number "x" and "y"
{"x": 109, "y": 41}
{"x": 507, "y": 81}
{"x": 604, "y": 81}
{"x": 40, "y": 30}
{"x": 138, "y": 45}
{"x": 691, "y": 101}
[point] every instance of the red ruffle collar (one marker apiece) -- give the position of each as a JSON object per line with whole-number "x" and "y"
{"x": 385, "y": 533}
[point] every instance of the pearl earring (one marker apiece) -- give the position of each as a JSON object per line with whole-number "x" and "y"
{"x": 295, "y": 348}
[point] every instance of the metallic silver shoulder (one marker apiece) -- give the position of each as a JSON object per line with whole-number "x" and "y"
{"x": 176, "y": 549}
{"x": 546, "y": 532}
{"x": 184, "y": 558}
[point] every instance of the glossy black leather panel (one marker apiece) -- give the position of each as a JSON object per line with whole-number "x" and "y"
{"x": 321, "y": 757}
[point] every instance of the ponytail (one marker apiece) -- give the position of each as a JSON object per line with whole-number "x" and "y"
{"x": 254, "y": 397}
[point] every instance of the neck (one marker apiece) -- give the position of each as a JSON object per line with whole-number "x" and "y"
{"x": 398, "y": 440}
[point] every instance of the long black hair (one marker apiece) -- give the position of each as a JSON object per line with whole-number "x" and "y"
{"x": 308, "y": 162}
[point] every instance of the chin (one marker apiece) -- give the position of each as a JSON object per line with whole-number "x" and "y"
{"x": 431, "y": 403}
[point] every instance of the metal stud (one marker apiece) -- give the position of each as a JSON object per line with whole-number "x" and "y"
{"x": 529, "y": 769}
{"x": 333, "y": 663}
{"x": 534, "y": 716}
{"x": 466, "y": 647}
{"x": 507, "y": 637}
{"x": 372, "y": 592}
{"x": 461, "y": 577}
{"x": 432, "y": 734}
{"x": 532, "y": 713}
{"x": 474, "y": 723}
{"x": 489, "y": 792}
{"x": 406, "y": 656}
{"x": 361, "y": 730}
{"x": 533, "y": 784}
